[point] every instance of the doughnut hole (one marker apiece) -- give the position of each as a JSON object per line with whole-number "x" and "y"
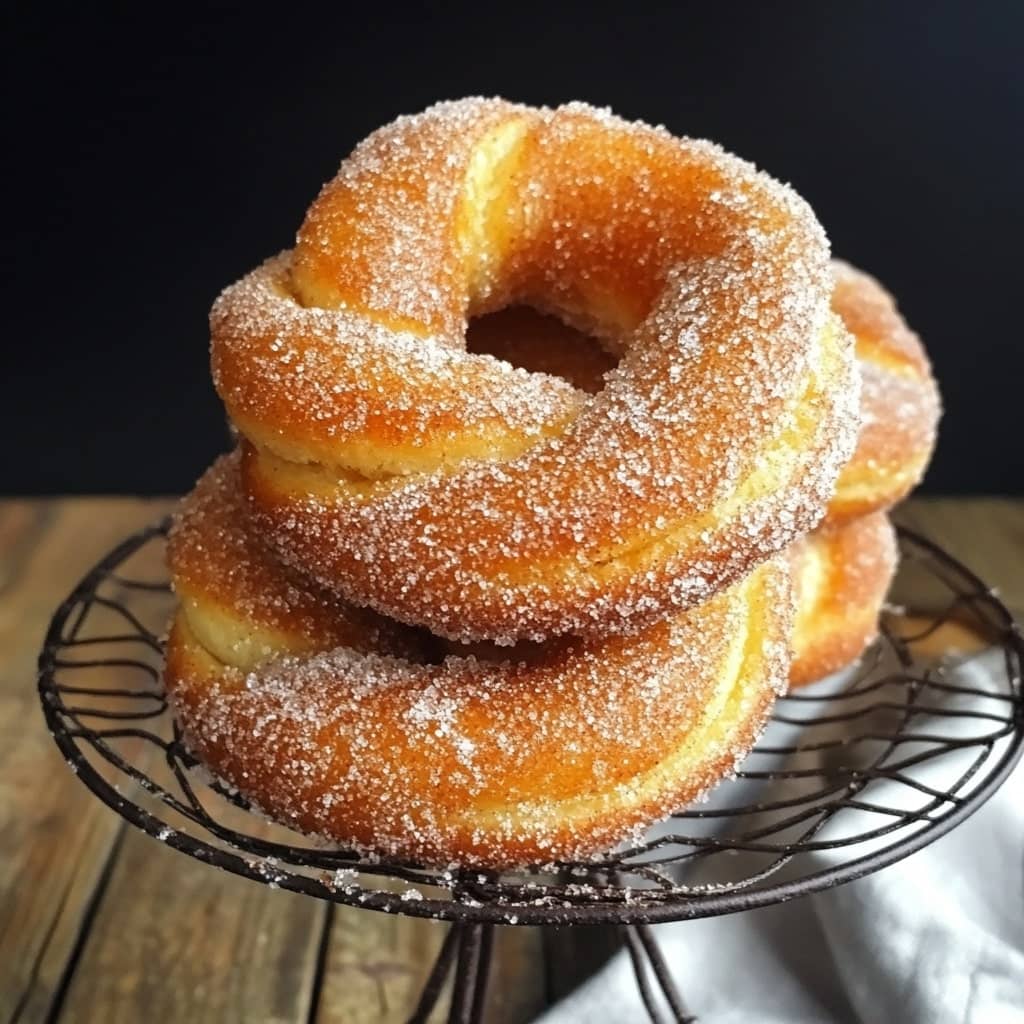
{"x": 540, "y": 343}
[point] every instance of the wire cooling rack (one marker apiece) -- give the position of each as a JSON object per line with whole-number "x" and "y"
{"x": 851, "y": 775}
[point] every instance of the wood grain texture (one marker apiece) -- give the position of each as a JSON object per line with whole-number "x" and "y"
{"x": 176, "y": 940}
{"x": 377, "y": 964}
{"x": 986, "y": 534}
{"x": 518, "y": 988}
{"x": 55, "y": 838}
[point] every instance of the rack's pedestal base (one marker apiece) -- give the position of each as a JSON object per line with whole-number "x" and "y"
{"x": 469, "y": 948}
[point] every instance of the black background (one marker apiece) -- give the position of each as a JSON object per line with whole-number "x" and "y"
{"x": 155, "y": 160}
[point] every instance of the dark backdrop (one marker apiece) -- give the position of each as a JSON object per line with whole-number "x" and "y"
{"x": 157, "y": 160}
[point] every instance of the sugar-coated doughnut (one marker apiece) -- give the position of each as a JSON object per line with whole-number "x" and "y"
{"x": 900, "y": 403}
{"x": 448, "y": 489}
{"x": 841, "y": 575}
{"x": 341, "y": 725}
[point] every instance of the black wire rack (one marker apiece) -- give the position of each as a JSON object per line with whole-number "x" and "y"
{"x": 851, "y": 775}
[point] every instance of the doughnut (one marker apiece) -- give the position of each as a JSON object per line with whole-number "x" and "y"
{"x": 334, "y": 722}
{"x": 448, "y": 489}
{"x": 841, "y": 576}
{"x": 900, "y": 403}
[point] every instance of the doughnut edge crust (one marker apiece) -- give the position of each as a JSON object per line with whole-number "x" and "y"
{"x": 841, "y": 577}
{"x": 900, "y": 401}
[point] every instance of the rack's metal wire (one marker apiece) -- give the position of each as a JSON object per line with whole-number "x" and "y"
{"x": 849, "y": 777}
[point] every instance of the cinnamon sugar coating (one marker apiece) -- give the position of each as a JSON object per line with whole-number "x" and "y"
{"x": 247, "y": 606}
{"x": 446, "y": 488}
{"x": 843, "y": 571}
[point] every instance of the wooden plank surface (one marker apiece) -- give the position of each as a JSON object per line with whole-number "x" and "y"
{"x": 55, "y": 838}
{"x": 986, "y": 534}
{"x": 176, "y": 940}
{"x": 98, "y": 922}
{"x": 374, "y": 975}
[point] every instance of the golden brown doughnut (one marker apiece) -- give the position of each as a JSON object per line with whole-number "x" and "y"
{"x": 446, "y": 488}
{"x": 841, "y": 575}
{"x": 544, "y": 752}
{"x": 900, "y": 403}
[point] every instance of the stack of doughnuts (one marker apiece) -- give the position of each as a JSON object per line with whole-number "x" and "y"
{"x": 511, "y": 601}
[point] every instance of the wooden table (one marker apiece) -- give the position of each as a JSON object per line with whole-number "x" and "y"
{"x": 100, "y": 923}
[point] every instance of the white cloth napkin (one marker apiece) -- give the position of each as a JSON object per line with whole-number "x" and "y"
{"x": 935, "y": 938}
